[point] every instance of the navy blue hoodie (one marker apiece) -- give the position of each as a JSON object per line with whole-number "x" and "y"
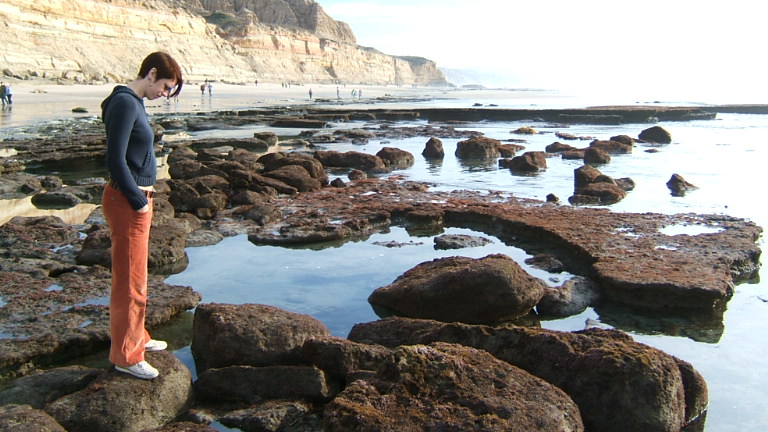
{"x": 130, "y": 144}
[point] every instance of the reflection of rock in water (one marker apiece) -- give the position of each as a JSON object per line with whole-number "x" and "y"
{"x": 24, "y": 207}
{"x": 698, "y": 325}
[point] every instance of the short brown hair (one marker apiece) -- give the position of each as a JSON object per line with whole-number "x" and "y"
{"x": 166, "y": 68}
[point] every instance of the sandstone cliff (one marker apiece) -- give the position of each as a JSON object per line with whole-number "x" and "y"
{"x": 235, "y": 41}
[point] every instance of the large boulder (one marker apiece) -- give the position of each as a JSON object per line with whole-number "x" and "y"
{"x": 450, "y": 387}
{"x": 433, "y": 149}
{"x": 478, "y": 147}
{"x": 24, "y": 418}
{"x": 251, "y": 335}
{"x": 499, "y": 288}
{"x": 656, "y": 134}
{"x": 396, "y": 158}
{"x": 618, "y": 384}
{"x": 350, "y": 159}
{"x": 528, "y": 162}
{"x": 118, "y": 401}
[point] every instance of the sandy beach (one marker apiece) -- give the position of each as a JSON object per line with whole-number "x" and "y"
{"x": 43, "y": 101}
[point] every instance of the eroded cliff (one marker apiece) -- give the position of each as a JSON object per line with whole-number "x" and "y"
{"x": 224, "y": 40}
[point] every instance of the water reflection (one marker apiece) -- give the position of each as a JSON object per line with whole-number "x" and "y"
{"x": 700, "y": 326}
{"x": 23, "y": 207}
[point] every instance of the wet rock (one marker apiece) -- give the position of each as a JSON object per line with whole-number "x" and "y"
{"x": 528, "y": 162}
{"x": 262, "y": 213}
{"x": 615, "y": 147}
{"x": 509, "y": 150}
{"x": 656, "y": 134}
{"x": 182, "y": 427}
{"x": 248, "y": 384}
{"x": 617, "y": 383}
{"x": 268, "y": 137}
{"x": 295, "y": 176}
{"x": 594, "y": 155}
{"x": 573, "y": 154}
{"x": 433, "y": 149}
{"x": 566, "y": 136}
{"x": 678, "y": 186}
{"x": 459, "y": 241}
{"x": 118, "y": 401}
{"x": 445, "y": 386}
{"x": 525, "y": 130}
{"x": 598, "y": 193}
{"x": 250, "y": 334}
{"x": 356, "y": 174}
{"x": 342, "y": 358}
{"x": 274, "y": 161}
{"x": 338, "y": 183}
{"x": 23, "y": 418}
{"x": 299, "y": 123}
{"x": 571, "y": 298}
{"x": 274, "y": 416}
{"x": 624, "y": 139}
{"x": 42, "y": 388}
{"x": 351, "y": 159}
{"x": 438, "y": 289}
{"x": 546, "y": 262}
{"x": 395, "y": 158}
{"x": 558, "y": 147}
{"x": 478, "y": 148}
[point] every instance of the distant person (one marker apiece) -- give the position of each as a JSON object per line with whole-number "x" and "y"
{"x": 256, "y": 82}
{"x": 8, "y": 94}
{"x": 202, "y": 89}
{"x": 354, "y": 93}
{"x": 210, "y": 89}
{"x": 3, "y": 93}
{"x": 310, "y": 93}
{"x": 127, "y": 204}
{"x": 338, "y": 95}
{"x": 360, "y": 94}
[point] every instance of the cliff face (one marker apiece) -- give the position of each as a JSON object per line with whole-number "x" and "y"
{"x": 225, "y": 40}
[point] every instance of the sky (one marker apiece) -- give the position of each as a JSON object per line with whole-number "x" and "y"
{"x": 675, "y": 46}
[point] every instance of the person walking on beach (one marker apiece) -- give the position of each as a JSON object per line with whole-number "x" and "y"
{"x": 2, "y": 93}
{"x": 8, "y": 94}
{"x": 202, "y": 89}
{"x": 127, "y": 203}
{"x": 310, "y": 93}
{"x": 210, "y": 89}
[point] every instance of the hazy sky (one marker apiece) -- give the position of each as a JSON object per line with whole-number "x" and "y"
{"x": 705, "y": 45}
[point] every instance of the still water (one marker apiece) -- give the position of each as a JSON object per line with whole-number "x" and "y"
{"x": 723, "y": 157}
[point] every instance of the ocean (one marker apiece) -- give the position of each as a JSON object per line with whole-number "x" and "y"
{"x": 723, "y": 157}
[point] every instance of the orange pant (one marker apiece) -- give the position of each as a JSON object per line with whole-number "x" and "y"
{"x": 129, "y": 232}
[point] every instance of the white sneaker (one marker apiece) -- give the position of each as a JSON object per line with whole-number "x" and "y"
{"x": 155, "y": 345}
{"x": 141, "y": 370}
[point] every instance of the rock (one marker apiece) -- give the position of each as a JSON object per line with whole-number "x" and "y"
{"x": 299, "y": 123}
{"x": 450, "y": 387}
{"x": 342, "y": 358}
{"x": 525, "y": 130}
{"x": 547, "y": 262}
{"x": 572, "y": 298}
{"x": 351, "y": 159}
{"x": 396, "y": 158}
{"x": 678, "y": 186}
{"x": 478, "y": 148}
{"x": 356, "y": 174}
{"x": 594, "y": 155}
{"x": 274, "y": 161}
{"x": 438, "y": 289}
{"x": 118, "y": 401}
{"x": 40, "y": 389}
{"x": 459, "y": 241}
{"x": 509, "y": 150}
{"x": 274, "y": 416}
{"x": 249, "y": 384}
{"x": 528, "y": 162}
{"x": 433, "y": 149}
{"x": 250, "y": 335}
{"x": 624, "y": 139}
{"x": 55, "y": 200}
{"x": 604, "y": 193}
{"x": 295, "y": 176}
{"x": 23, "y": 418}
{"x": 656, "y": 134}
{"x": 268, "y": 137}
{"x": 558, "y": 147}
{"x": 617, "y": 383}
{"x": 615, "y": 147}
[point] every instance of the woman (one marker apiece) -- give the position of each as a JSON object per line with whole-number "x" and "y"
{"x": 127, "y": 207}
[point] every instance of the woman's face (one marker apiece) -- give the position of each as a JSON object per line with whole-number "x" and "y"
{"x": 160, "y": 88}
